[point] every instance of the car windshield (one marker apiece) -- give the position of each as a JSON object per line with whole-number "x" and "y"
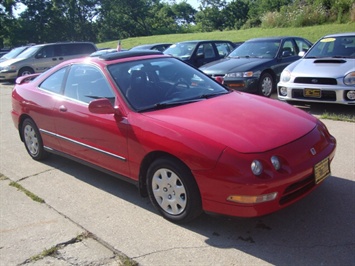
{"x": 265, "y": 48}
{"x": 337, "y": 47}
{"x": 158, "y": 83}
{"x": 182, "y": 50}
{"x": 28, "y": 52}
{"x": 14, "y": 52}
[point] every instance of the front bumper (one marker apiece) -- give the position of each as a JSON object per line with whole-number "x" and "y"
{"x": 292, "y": 182}
{"x": 8, "y": 75}
{"x": 323, "y": 93}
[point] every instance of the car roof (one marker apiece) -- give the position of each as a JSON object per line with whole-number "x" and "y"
{"x": 199, "y": 41}
{"x": 272, "y": 38}
{"x": 128, "y": 54}
{"x": 340, "y": 34}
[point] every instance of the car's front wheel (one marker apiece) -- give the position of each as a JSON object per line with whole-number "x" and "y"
{"x": 173, "y": 191}
{"x": 33, "y": 140}
{"x": 266, "y": 85}
{"x": 25, "y": 71}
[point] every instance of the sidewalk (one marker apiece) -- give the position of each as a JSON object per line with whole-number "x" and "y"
{"x": 30, "y": 229}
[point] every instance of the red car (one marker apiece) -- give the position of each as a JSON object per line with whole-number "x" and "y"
{"x": 181, "y": 137}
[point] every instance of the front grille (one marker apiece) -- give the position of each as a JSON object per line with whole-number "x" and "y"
{"x": 322, "y": 81}
{"x": 325, "y": 95}
{"x": 297, "y": 189}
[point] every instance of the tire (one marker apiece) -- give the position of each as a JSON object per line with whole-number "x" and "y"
{"x": 173, "y": 191}
{"x": 25, "y": 71}
{"x": 33, "y": 140}
{"x": 266, "y": 85}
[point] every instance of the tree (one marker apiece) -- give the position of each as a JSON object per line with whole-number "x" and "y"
{"x": 236, "y": 14}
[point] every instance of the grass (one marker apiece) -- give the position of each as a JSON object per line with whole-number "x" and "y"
{"x": 338, "y": 117}
{"x": 28, "y": 193}
{"x": 312, "y": 33}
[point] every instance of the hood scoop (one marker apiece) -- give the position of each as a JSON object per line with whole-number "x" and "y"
{"x": 330, "y": 61}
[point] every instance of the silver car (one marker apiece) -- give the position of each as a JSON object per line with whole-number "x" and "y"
{"x": 326, "y": 73}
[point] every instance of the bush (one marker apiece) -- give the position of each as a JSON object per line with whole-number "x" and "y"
{"x": 296, "y": 16}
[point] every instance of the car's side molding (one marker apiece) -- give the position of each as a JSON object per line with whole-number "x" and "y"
{"x": 94, "y": 166}
{"x": 83, "y": 144}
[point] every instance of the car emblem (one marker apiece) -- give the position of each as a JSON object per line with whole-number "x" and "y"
{"x": 314, "y": 80}
{"x": 313, "y": 151}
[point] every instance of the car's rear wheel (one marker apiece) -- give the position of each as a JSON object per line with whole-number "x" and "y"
{"x": 25, "y": 71}
{"x": 33, "y": 140}
{"x": 266, "y": 84}
{"x": 173, "y": 191}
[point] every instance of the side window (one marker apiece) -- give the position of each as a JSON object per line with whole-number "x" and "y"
{"x": 288, "y": 49}
{"x": 302, "y": 45}
{"x": 54, "y": 82}
{"x": 208, "y": 50}
{"x": 86, "y": 83}
{"x": 223, "y": 48}
{"x": 46, "y": 52}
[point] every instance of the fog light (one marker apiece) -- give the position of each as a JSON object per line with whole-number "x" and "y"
{"x": 350, "y": 95}
{"x": 283, "y": 91}
{"x": 276, "y": 162}
{"x": 256, "y": 167}
{"x": 252, "y": 199}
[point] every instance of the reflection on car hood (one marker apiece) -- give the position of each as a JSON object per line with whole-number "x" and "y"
{"x": 10, "y": 61}
{"x": 230, "y": 64}
{"x": 322, "y": 67}
{"x": 244, "y": 122}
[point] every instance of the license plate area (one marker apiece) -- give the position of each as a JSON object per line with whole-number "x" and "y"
{"x": 312, "y": 93}
{"x": 321, "y": 170}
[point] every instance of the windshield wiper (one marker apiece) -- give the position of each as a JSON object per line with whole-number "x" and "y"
{"x": 211, "y": 95}
{"x": 167, "y": 104}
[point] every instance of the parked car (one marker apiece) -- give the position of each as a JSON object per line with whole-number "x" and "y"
{"x": 38, "y": 58}
{"x": 4, "y": 51}
{"x": 325, "y": 74}
{"x": 13, "y": 53}
{"x": 198, "y": 53}
{"x": 180, "y": 136}
{"x": 153, "y": 46}
{"x": 256, "y": 65}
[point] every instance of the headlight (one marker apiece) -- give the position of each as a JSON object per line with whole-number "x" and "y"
{"x": 285, "y": 76}
{"x": 8, "y": 68}
{"x": 275, "y": 162}
{"x": 349, "y": 79}
{"x": 256, "y": 167}
{"x": 247, "y": 74}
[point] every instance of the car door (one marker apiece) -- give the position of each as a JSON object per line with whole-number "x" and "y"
{"x": 206, "y": 52}
{"x": 287, "y": 54}
{"x": 48, "y": 56}
{"x": 96, "y": 138}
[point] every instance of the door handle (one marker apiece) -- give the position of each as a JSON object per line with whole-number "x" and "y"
{"x": 62, "y": 108}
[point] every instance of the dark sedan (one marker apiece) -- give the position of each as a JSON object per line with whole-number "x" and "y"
{"x": 198, "y": 53}
{"x": 256, "y": 65}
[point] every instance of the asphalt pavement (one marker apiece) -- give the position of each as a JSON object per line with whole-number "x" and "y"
{"x": 89, "y": 218}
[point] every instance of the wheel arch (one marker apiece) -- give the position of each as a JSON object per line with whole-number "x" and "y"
{"x": 24, "y": 67}
{"x": 22, "y": 118}
{"x": 147, "y": 161}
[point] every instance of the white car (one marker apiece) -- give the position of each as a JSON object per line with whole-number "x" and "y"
{"x": 326, "y": 73}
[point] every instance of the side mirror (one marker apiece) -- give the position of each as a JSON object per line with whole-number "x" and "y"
{"x": 103, "y": 106}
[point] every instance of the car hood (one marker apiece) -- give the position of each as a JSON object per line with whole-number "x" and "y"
{"x": 323, "y": 67}
{"x": 10, "y": 61}
{"x": 233, "y": 64}
{"x": 244, "y": 122}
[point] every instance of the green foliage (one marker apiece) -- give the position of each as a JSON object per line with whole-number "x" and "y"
{"x": 312, "y": 33}
{"x": 105, "y": 20}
